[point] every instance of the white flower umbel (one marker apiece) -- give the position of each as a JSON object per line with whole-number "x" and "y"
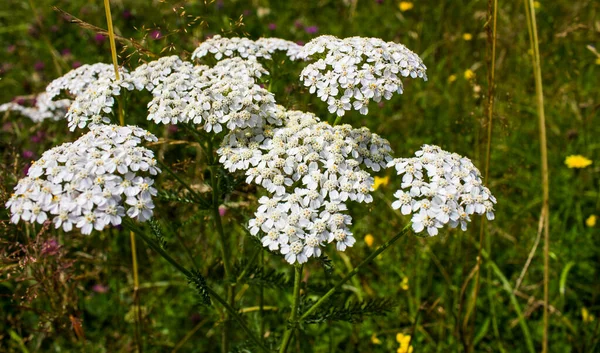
{"x": 351, "y": 72}
{"x": 90, "y": 183}
{"x": 76, "y": 81}
{"x": 43, "y": 108}
{"x": 220, "y": 48}
{"x": 223, "y": 96}
{"x": 312, "y": 170}
{"x": 440, "y": 188}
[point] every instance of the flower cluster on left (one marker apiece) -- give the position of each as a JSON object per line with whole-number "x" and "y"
{"x": 90, "y": 183}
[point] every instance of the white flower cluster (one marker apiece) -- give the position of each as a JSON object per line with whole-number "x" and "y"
{"x": 226, "y": 94}
{"x": 246, "y": 48}
{"x": 311, "y": 169}
{"x": 76, "y": 81}
{"x": 43, "y": 108}
{"x": 440, "y": 188}
{"x": 90, "y": 183}
{"x": 356, "y": 70}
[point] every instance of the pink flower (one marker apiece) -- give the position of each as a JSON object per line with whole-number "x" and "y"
{"x": 50, "y": 247}
{"x": 222, "y": 210}
{"x": 272, "y": 26}
{"x": 155, "y": 34}
{"x": 99, "y": 38}
{"x": 99, "y": 288}
{"x": 311, "y": 29}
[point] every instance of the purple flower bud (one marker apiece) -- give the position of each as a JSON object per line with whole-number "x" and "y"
{"x": 27, "y": 154}
{"x": 39, "y": 66}
{"x": 99, "y": 38}
{"x": 100, "y": 288}
{"x": 311, "y": 29}
{"x": 76, "y": 64}
{"x": 272, "y": 26}
{"x": 222, "y": 210}
{"x": 65, "y": 52}
{"x": 50, "y": 247}
{"x": 38, "y": 137}
{"x": 127, "y": 14}
{"x": 155, "y": 34}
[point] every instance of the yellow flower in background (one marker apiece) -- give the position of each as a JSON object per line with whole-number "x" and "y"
{"x": 537, "y": 5}
{"x": 380, "y": 181}
{"x": 597, "y": 61}
{"x": 467, "y": 36}
{"x": 405, "y": 5}
{"x": 369, "y": 239}
{"x": 404, "y": 341}
{"x": 404, "y": 283}
{"x": 577, "y": 161}
{"x": 374, "y": 339}
{"x": 469, "y": 74}
{"x": 451, "y": 78}
{"x": 586, "y": 316}
{"x": 591, "y": 221}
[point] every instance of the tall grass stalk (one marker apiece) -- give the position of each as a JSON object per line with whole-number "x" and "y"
{"x": 136, "y": 281}
{"x": 492, "y": 10}
{"x": 537, "y": 71}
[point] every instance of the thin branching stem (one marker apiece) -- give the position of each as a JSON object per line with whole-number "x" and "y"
{"x": 120, "y": 110}
{"x": 492, "y": 9}
{"x": 214, "y": 295}
{"x": 539, "y": 93}
{"x": 352, "y": 273}
{"x": 293, "y": 319}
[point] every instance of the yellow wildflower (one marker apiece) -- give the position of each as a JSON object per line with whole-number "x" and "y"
{"x": 405, "y": 5}
{"x": 537, "y": 4}
{"x": 404, "y": 283}
{"x": 586, "y": 316}
{"x": 577, "y": 161}
{"x": 374, "y": 339}
{"x": 380, "y": 181}
{"x": 597, "y": 61}
{"x": 467, "y": 36}
{"x": 591, "y": 221}
{"x": 369, "y": 239}
{"x": 451, "y": 78}
{"x": 469, "y": 74}
{"x": 404, "y": 341}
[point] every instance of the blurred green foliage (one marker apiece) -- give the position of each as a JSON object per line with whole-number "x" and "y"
{"x": 82, "y": 286}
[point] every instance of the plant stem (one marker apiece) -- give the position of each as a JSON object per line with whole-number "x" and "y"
{"x": 232, "y": 312}
{"x": 292, "y": 321}
{"x": 492, "y": 9}
{"x": 351, "y": 274}
{"x": 136, "y": 281}
{"x": 225, "y": 253}
{"x": 537, "y": 71}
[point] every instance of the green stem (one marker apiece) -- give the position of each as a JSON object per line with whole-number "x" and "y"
{"x": 195, "y": 196}
{"x": 338, "y": 120}
{"x": 225, "y": 251}
{"x": 293, "y": 321}
{"x": 351, "y": 274}
{"x": 232, "y": 312}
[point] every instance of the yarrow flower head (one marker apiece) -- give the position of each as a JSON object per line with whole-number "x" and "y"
{"x": 440, "y": 188}
{"x": 90, "y": 183}
{"x": 311, "y": 170}
{"x": 221, "y": 47}
{"x": 43, "y": 108}
{"x": 356, "y": 70}
{"x": 225, "y": 95}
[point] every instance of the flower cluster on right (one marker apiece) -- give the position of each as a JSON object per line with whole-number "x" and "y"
{"x": 440, "y": 188}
